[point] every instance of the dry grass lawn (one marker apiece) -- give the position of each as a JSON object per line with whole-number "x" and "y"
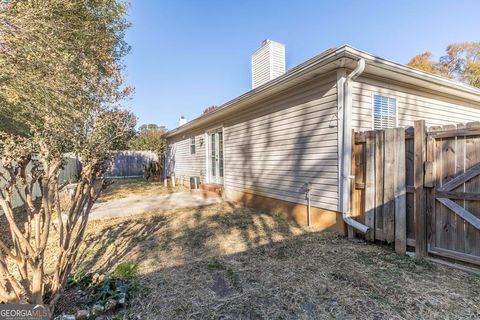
{"x": 227, "y": 262}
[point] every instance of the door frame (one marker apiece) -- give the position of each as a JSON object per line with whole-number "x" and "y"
{"x": 207, "y": 153}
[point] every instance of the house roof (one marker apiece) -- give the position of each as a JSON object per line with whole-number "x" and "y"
{"x": 342, "y": 57}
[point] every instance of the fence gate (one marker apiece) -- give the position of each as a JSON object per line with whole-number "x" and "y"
{"x": 452, "y": 179}
{"x": 420, "y": 188}
{"x": 379, "y": 192}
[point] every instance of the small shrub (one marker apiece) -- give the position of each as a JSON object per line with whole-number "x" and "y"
{"x": 78, "y": 279}
{"x": 126, "y": 270}
{"x": 100, "y": 288}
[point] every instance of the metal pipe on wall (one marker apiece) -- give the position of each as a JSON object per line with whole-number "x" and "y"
{"x": 308, "y": 186}
{"x": 347, "y": 148}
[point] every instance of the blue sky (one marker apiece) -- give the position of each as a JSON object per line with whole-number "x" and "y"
{"x": 188, "y": 55}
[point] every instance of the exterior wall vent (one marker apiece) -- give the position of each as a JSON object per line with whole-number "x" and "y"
{"x": 268, "y": 62}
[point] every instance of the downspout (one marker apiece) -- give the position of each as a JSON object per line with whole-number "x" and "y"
{"x": 346, "y": 160}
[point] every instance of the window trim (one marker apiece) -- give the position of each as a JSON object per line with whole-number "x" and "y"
{"x": 194, "y": 145}
{"x": 373, "y": 108}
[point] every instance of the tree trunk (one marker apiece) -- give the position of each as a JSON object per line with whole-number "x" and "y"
{"x": 37, "y": 285}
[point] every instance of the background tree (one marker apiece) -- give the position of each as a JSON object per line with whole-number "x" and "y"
{"x": 151, "y": 137}
{"x": 61, "y": 82}
{"x": 130, "y": 132}
{"x": 461, "y": 62}
{"x": 151, "y": 127}
{"x": 424, "y": 61}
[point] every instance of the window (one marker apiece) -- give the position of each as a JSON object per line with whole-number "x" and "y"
{"x": 192, "y": 145}
{"x": 384, "y": 112}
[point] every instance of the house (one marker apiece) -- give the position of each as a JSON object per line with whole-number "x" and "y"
{"x": 292, "y": 132}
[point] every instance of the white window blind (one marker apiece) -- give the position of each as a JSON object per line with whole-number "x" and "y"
{"x": 384, "y": 112}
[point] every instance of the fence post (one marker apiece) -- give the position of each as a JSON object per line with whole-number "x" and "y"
{"x": 419, "y": 195}
{"x": 353, "y": 199}
{"x": 389, "y": 186}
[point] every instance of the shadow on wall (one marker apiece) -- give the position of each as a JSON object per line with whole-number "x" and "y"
{"x": 283, "y": 151}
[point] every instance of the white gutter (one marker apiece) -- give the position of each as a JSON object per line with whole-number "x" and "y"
{"x": 346, "y": 161}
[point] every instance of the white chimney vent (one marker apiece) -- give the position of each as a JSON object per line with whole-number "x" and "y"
{"x": 182, "y": 121}
{"x": 268, "y": 62}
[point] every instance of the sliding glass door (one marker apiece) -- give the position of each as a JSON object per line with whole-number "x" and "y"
{"x": 215, "y": 156}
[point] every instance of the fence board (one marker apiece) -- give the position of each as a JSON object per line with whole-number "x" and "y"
{"x": 410, "y": 208}
{"x": 472, "y": 236}
{"x": 358, "y": 166}
{"x": 436, "y": 224}
{"x": 448, "y": 173}
{"x": 370, "y": 184}
{"x": 389, "y": 187}
{"x": 400, "y": 193}
{"x": 430, "y": 183}
{"x": 379, "y": 183}
{"x": 460, "y": 224}
{"x": 420, "y": 216}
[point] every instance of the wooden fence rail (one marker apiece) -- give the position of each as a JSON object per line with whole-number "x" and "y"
{"x": 419, "y": 187}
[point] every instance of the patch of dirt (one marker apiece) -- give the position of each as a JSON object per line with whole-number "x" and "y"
{"x": 225, "y": 261}
{"x": 72, "y": 300}
{"x": 122, "y": 188}
{"x": 220, "y": 285}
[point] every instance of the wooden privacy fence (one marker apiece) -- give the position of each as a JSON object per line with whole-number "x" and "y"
{"x": 419, "y": 187}
{"x": 69, "y": 173}
{"x": 126, "y": 164}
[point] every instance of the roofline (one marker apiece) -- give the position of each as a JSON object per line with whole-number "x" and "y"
{"x": 410, "y": 71}
{"x": 329, "y": 56}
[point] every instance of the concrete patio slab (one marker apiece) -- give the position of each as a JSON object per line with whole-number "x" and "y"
{"x": 138, "y": 204}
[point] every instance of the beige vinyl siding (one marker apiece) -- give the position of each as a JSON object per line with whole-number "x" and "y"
{"x": 274, "y": 148}
{"x": 181, "y": 163}
{"x": 412, "y": 104}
